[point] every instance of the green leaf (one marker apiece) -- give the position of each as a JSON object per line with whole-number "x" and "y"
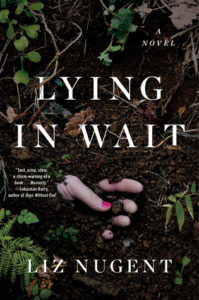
{"x": 172, "y": 198}
{"x": 115, "y": 48}
{"x": 111, "y": 7}
{"x": 34, "y": 56}
{"x": 8, "y": 212}
{"x": 3, "y": 3}
{"x": 31, "y": 30}
{"x": 167, "y": 205}
{"x": 36, "y": 298}
{"x": 21, "y": 76}
{"x": 179, "y": 195}
{"x": 132, "y": 28}
{"x": 178, "y": 280}
{"x": 35, "y": 290}
{"x": 168, "y": 214}
{"x": 189, "y": 205}
{"x": 20, "y": 219}
{"x": 65, "y": 156}
{"x": 45, "y": 294}
{"x": 58, "y": 231}
{"x": 193, "y": 188}
{"x": 105, "y": 58}
{"x": 31, "y": 218}
{"x": 58, "y": 82}
{"x": 4, "y": 13}
{"x": 19, "y": 9}
{"x": 36, "y": 6}
{"x": 65, "y": 235}
{"x": 14, "y": 22}
{"x": 115, "y": 22}
{"x": 21, "y": 43}
{"x": 185, "y": 261}
{"x": 10, "y": 31}
{"x": 179, "y": 214}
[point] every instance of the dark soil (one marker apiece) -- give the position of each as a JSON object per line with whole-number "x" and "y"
{"x": 150, "y": 239}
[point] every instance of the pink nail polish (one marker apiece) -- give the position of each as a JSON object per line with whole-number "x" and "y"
{"x": 106, "y": 204}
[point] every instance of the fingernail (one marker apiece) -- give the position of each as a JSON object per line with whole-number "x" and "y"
{"x": 106, "y": 204}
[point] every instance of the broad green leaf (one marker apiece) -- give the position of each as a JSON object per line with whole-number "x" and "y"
{"x": 168, "y": 214}
{"x": 178, "y": 280}
{"x": 24, "y": 212}
{"x": 32, "y": 31}
{"x": 3, "y": 3}
{"x": 45, "y": 294}
{"x": 36, "y": 6}
{"x": 179, "y": 195}
{"x": 21, "y": 76}
{"x": 21, "y": 43}
{"x": 31, "y": 218}
{"x": 189, "y": 205}
{"x": 179, "y": 214}
{"x": 10, "y": 31}
{"x": 19, "y": 9}
{"x": 185, "y": 261}
{"x": 34, "y": 56}
{"x": 193, "y": 188}
{"x": 36, "y": 298}
{"x": 172, "y": 198}
{"x": 4, "y": 13}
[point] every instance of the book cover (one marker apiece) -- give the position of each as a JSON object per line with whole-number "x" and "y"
{"x": 98, "y": 149}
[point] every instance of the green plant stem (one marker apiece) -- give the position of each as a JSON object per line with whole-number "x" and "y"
{"x": 110, "y": 45}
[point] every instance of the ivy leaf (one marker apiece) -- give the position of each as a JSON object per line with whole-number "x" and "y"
{"x": 189, "y": 205}
{"x": 105, "y": 58}
{"x": 32, "y": 30}
{"x": 21, "y": 43}
{"x": 19, "y": 9}
{"x": 21, "y": 76}
{"x": 34, "y": 56}
{"x": 36, "y": 6}
{"x": 179, "y": 214}
{"x": 4, "y": 13}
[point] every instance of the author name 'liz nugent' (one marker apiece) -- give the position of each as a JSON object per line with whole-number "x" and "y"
{"x": 115, "y": 266}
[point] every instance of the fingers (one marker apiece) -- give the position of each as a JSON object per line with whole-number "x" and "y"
{"x": 125, "y": 185}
